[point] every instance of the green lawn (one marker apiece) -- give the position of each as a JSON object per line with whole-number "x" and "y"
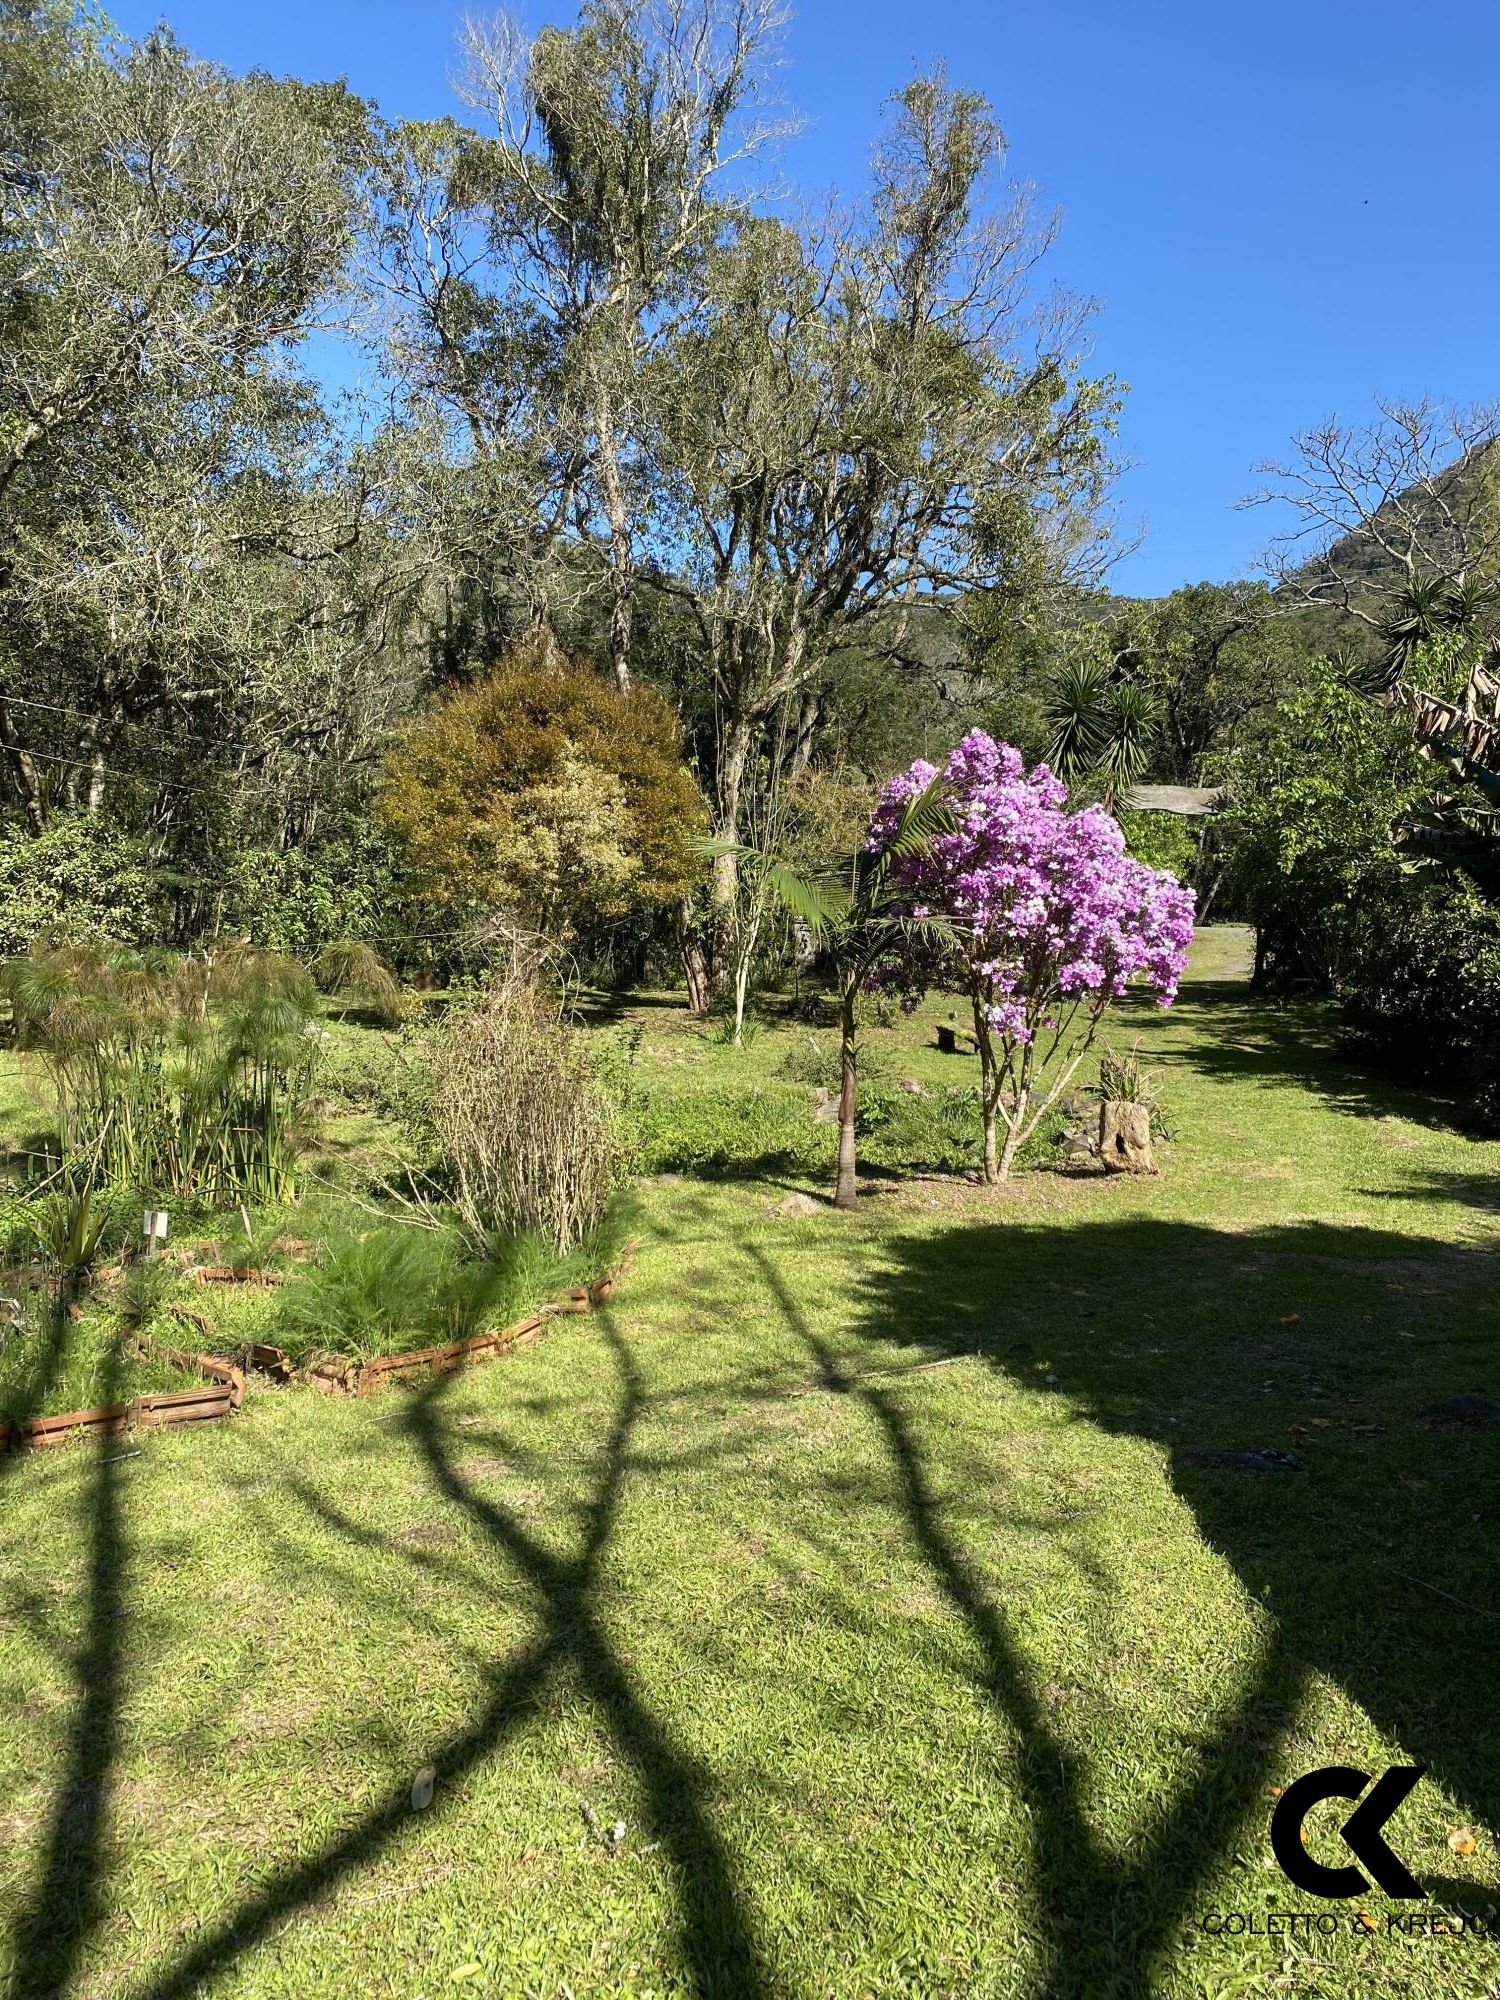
{"x": 832, "y": 1615}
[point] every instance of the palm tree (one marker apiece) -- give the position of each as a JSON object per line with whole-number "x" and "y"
{"x": 854, "y": 916}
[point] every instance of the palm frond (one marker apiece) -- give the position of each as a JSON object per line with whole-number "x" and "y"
{"x": 820, "y": 905}
{"x": 921, "y": 819}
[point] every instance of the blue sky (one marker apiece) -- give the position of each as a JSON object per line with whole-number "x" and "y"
{"x": 1281, "y": 209}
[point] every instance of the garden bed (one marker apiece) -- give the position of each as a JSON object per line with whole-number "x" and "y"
{"x": 339, "y": 1377}
{"x": 221, "y": 1390}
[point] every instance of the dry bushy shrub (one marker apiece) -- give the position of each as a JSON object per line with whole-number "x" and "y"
{"x": 527, "y": 1126}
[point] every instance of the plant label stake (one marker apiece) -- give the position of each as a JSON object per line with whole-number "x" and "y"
{"x": 154, "y": 1229}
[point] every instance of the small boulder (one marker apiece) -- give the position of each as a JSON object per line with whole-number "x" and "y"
{"x": 1260, "y": 1458}
{"x": 1466, "y": 1408}
{"x": 799, "y": 1204}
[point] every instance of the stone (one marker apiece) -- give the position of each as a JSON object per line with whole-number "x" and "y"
{"x": 1260, "y": 1458}
{"x": 1125, "y": 1137}
{"x": 1466, "y": 1408}
{"x": 799, "y": 1204}
{"x": 912, "y": 1087}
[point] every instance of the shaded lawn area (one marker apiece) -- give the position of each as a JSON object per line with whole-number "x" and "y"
{"x": 834, "y": 1614}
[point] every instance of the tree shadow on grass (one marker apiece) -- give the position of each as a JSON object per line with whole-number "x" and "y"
{"x": 1301, "y": 1045}
{"x": 52, "y": 1929}
{"x": 1104, "y": 1921}
{"x": 1477, "y": 1190}
{"x": 1377, "y": 1557}
{"x": 721, "y": 1953}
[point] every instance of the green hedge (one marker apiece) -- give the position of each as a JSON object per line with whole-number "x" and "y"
{"x": 1423, "y": 993}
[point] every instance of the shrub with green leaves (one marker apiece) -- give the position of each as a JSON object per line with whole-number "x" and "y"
{"x": 378, "y": 1290}
{"x": 1423, "y": 992}
{"x": 355, "y": 976}
{"x": 754, "y": 1130}
{"x": 1161, "y": 840}
{"x": 80, "y": 870}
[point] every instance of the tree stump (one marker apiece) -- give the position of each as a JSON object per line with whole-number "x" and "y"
{"x": 947, "y": 1040}
{"x": 1125, "y": 1137}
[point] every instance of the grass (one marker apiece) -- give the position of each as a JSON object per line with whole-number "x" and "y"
{"x": 49, "y": 1365}
{"x": 836, "y": 1613}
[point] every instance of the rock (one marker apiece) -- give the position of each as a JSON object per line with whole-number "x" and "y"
{"x": 1075, "y": 1147}
{"x": 1260, "y": 1458}
{"x": 799, "y": 1204}
{"x": 1463, "y": 1409}
{"x": 668, "y": 1180}
{"x": 912, "y": 1087}
{"x": 1125, "y": 1137}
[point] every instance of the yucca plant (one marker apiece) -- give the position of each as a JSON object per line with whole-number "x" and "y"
{"x": 1104, "y": 726}
{"x": 68, "y": 1227}
{"x": 1125, "y": 1079}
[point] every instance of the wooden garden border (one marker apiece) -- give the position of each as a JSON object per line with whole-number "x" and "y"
{"x": 223, "y": 1390}
{"x": 223, "y": 1387}
{"x": 363, "y": 1378}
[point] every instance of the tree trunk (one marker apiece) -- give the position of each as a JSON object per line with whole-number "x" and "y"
{"x": 989, "y": 1094}
{"x": 34, "y": 799}
{"x": 846, "y": 1190}
{"x": 1015, "y": 1124}
{"x": 1014, "y": 1130}
{"x": 621, "y": 563}
{"x": 1125, "y": 1137}
{"x": 734, "y": 761}
{"x": 741, "y": 988}
{"x": 690, "y": 951}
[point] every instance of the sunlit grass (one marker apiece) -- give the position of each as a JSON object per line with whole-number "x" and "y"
{"x": 851, "y": 1567}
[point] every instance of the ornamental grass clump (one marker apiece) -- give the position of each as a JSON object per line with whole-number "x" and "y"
{"x": 177, "y": 1075}
{"x": 1051, "y": 921}
{"x": 526, "y": 1124}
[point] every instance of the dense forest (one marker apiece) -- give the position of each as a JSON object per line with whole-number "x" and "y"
{"x": 673, "y": 514}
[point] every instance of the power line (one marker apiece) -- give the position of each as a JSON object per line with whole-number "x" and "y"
{"x": 140, "y": 778}
{"x": 93, "y": 715}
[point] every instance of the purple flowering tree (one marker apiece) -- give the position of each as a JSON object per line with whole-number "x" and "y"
{"x": 1050, "y": 920}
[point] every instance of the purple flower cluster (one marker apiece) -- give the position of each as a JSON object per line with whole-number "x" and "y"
{"x": 1048, "y": 907}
